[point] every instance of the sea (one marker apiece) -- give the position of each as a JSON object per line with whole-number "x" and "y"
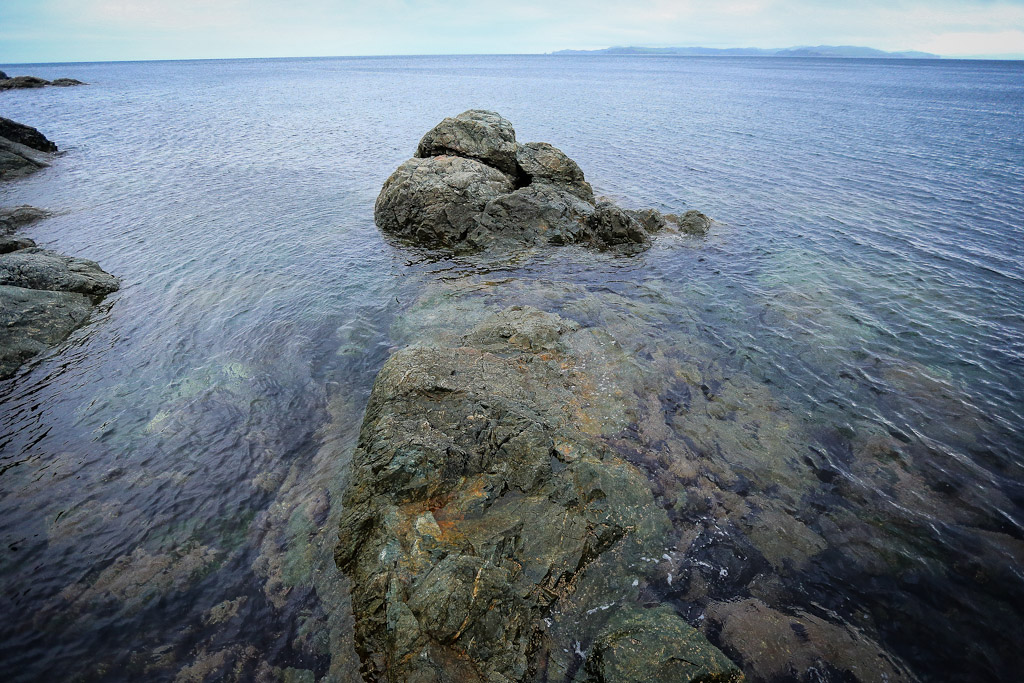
{"x": 839, "y": 363}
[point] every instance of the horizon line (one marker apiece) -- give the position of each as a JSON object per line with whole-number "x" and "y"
{"x": 1012, "y": 57}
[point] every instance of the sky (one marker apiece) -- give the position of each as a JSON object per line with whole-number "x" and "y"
{"x": 100, "y": 30}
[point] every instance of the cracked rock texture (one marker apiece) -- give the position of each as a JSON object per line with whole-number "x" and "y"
{"x": 471, "y": 187}
{"x": 488, "y": 538}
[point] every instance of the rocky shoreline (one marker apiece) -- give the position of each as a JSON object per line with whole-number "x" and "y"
{"x": 24, "y": 82}
{"x": 44, "y": 295}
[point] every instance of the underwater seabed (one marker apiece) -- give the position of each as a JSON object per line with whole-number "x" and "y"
{"x": 812, "y": 535}
{"x": 807, "y": 534}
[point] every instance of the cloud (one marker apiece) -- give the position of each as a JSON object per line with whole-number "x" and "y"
{"x": 53, "y": 30}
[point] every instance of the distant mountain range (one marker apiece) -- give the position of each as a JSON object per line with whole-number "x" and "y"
{"x": 849, "y": 51}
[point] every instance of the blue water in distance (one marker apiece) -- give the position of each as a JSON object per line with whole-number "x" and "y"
{"x": 165, "y": 497}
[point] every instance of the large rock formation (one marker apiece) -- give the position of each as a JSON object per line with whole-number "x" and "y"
{"x": 488, "y": 538}
{"x": 472, "y": 186}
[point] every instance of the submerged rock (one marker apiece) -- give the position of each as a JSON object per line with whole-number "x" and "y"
{"x": 773, "y": 645}
{"x": 510, "y": 194}
{"x": 488, "y": 538}
{"x": 13, "y": 218}
{"x": 65, "y": 82}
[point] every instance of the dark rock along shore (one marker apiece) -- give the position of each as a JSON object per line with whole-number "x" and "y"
{"x": 44, "y": 296}
{"x": 20, "y": 82}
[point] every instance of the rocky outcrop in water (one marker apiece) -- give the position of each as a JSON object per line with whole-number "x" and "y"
{"x": 471, "y": 186}
{"x": 23, "y": 149}
{"x": 23, "y": 82}
{"x": 488, "y": 538}
{"x": 15, "y": 217}
{"x": 44, "y": 296}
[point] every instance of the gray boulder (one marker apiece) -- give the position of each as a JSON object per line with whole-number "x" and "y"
{"x": 474, "y": 134}
{"x": 541, "y": 161}
{"x": 488, "y": 538}
{"x": 65, "y": 82}
{"x": 652, "y": 219}
{"x": 33, "y": 320}
{"x": 692, "y": 222}
{"x": 17, "y": 160}
{"x": 47, "y": 270}
{"x": 615, "y": 227}
{"x": 23, "y": 149}
{"x": 435, "y": 201}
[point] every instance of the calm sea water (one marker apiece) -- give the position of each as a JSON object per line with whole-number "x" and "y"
{"x": 170, "y": 476}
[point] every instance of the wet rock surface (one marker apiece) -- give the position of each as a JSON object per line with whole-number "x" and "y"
{"x": 44, "y": 296}
{"x": 25, "y": 135}
{"x": 13, "y": 218}
{"x": 35, "y": 268}
{"x": 511, "y": 195}
{"x": 31, "y": 321}
{"x": 486, "y": 537}
{"x": 23, "y": 149}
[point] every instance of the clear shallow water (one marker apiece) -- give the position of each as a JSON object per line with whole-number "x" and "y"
{"x": 170, "y": 475}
